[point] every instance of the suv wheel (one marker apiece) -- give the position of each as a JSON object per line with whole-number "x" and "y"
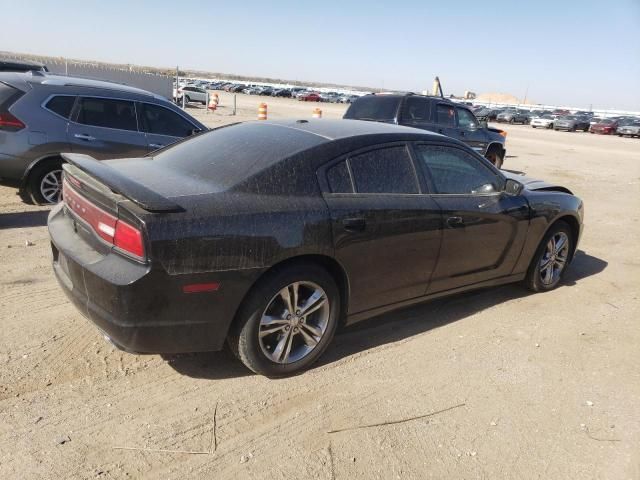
{"x": 287, "y": 321}
{"x": 45, "y": 183}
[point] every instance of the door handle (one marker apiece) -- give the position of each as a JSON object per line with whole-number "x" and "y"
{"x": 462, "y": 133}
{"x": 156, "y": 145}
{"x": 357, "y": 224}
{"x": 455, "y": 222}
{"x": 84, "y": 136}
{"x": 440, "y": 130}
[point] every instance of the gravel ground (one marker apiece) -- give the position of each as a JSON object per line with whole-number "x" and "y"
{"x": 519, "y": 385}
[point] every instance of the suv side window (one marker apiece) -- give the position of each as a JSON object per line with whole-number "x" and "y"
{"x": 162, "y": 121}
{"x": 416, "y": 109}
{"x": 109, "y": 113}
{"x": 445, "y": 115}
{"x": 61, "y": 104}
{"x": 466, "y": 119}
{"x": 455, "y": 172}
{"x": 386, "y": 170}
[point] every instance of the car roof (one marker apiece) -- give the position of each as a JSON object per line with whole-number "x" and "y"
{"x": 22, "y": 79}
{"x": 336, "y": 129}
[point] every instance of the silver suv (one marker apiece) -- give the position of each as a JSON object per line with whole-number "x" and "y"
{"x": 42, "y": 115}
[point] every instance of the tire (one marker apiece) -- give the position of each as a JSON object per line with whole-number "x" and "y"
{"x": 512, "y": 121}
{"x": 533, "y": 126}
{"x": 495, "y": 157}
{"x": 541, "y": 279}
{"x": 186, "y": 99}
{"x": 292, "y": 332}
{"x": 41, "y": 185}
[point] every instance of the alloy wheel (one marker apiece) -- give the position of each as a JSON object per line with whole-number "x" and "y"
{"x": 51, "y": 186}
{"x": 554, "y": 258}
{"x": 294, "y": 322}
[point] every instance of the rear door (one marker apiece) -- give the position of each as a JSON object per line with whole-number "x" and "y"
{"x": 386, "y": 231}
{"x": 162, "y": 126}
{"x": 483, "y": 228}
{"x": 106, "y": 128}
{"x": 469, "y": 130}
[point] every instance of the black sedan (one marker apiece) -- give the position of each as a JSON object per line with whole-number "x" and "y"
{"x": 268, "y": 235}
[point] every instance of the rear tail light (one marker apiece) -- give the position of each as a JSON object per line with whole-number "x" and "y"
{"x": 122, "y": 235}
{"x": 10, "y": 123}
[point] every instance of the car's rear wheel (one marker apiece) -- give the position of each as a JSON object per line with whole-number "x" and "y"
{"x": 495, "y": 156}
{"x": 550, "y": 262}
{"x": 287, "y": 321}
{"x": 45, "y": 183}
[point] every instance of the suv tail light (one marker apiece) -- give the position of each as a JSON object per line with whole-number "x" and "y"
{"x": 9, "y": 122}
{"x": 122, "y": 235}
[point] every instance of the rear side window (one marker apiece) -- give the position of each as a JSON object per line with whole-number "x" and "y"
{"x": 446, "y": 115}
{"x": 162, "y": 121}
{"x": 108, "y": 113}
{"x": 387, "y": 170}
{"x": 416, "y": 109}
{"x": 339, "y": 179}
{"x": 61, "y": 104}
{"x": 373, "y": 107}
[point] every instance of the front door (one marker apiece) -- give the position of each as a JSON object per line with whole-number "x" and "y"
{"x": 469, "y": 131}
{"x": 483, "y": 228}
{"x": 386, "y": 232}
{"x": 106, "y": 128}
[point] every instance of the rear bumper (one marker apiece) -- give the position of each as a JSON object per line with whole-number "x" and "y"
{"x": 141, "y": 308}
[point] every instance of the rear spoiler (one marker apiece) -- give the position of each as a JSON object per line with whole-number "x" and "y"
{"x": 137, "y": 193}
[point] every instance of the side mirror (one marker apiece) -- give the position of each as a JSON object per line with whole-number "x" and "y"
{"x": 513, "y": 187}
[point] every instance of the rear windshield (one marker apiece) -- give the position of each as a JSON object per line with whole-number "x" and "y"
{"x": 8, "y": 95}
{"x": 228, "y": 155}
{"x": 373, "y": 107}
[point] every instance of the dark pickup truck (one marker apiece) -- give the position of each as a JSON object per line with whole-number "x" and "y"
{"x": 435, "y": 114}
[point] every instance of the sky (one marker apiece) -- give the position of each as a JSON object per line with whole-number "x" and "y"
{"x": 564, "y": 52}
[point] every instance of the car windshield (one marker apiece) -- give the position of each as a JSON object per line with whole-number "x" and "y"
{"x": 606, "y": 121}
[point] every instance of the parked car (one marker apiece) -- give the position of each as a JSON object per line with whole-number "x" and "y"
{"x": 43, "y": 115}
{"x": 513, "y": 116}
{"x": 606, "y": 126}
{"x": 192, "y": 93}
{"x": 310, "y": 97}
{"x": 282, "y": 92}
{"x": 631, "y": 129}
{"x": 200, "y": 246}
{"x": 571, "y": 123}
{"x": 348, "y": 98}
{"x": 435, "y": 114}
{"x": 542, "y": 121}
{"x": 10, "y": 65}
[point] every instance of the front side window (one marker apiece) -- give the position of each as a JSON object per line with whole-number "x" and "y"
{"x": 386, "y": 170}
{"x": 446, "y": 115}
{"x": 109, "y": 113}
{"x": 61, "y": 104}
{"x": 455, "y": 172}
{"x": 162, "y": 121}
{"x": 466, "y": 119}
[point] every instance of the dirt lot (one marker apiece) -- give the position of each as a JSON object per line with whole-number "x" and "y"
{"x": 544, "y": 386}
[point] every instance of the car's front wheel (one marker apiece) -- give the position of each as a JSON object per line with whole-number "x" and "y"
{"x": 45, "y": 183}
{"x": 287, "y": 321}
{"x": 550, "y": 261}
